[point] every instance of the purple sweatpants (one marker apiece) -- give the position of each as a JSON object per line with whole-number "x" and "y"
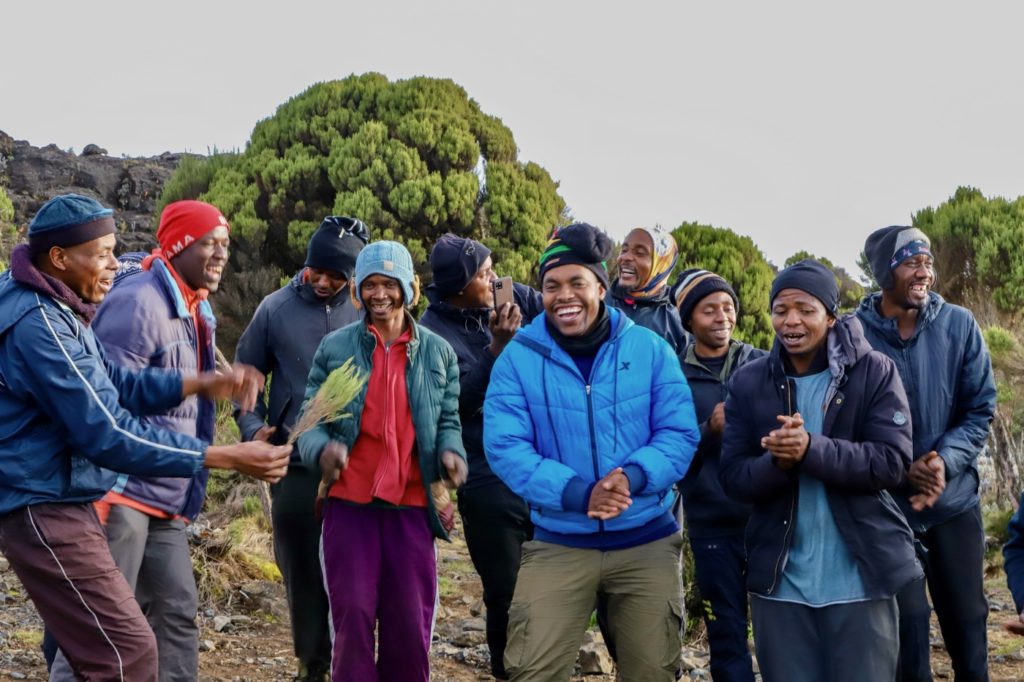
{"x": 379, "y": 569}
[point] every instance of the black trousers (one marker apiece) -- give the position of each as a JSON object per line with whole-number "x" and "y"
{"x": 297, "y": 552}
{"x": 953, "y": 555}
{"x": 496, "y": 522}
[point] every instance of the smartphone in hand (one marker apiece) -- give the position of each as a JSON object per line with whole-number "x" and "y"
{"x": 502, "y": 288}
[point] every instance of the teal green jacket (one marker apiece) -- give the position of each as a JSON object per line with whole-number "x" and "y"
{"x": 432, "y": 381}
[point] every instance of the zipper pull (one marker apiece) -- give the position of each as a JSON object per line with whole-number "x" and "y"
{"x": 588, "y": 389}
{"x": 328, "y": 309}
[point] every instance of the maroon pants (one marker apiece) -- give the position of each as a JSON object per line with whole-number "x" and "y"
{"x": 60, "y": 554}
{"x": 380, "y": 569}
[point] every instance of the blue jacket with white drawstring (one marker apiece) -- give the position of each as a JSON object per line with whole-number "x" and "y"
{"x": 550, "y": 436}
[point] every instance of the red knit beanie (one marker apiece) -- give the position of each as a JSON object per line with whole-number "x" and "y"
{"x": 184, "y": 222}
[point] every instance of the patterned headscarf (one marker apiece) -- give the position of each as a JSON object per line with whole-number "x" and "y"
{"x": 663, "y": 260}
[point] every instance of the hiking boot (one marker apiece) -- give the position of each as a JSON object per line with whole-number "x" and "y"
{"x": 313, "y": 673}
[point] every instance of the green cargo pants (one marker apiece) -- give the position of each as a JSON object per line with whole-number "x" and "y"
{"x": 557, "y": 591}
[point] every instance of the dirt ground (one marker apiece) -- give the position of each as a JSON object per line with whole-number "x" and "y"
{"x": 256, "y": 645}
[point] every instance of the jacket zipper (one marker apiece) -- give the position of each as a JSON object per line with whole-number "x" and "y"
{"x": 780, "y": 562}
{"x": 593, "y": 445}
{"x": 328, "y": 311}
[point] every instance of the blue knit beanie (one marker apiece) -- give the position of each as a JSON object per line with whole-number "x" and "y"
{"x": 390, "y": 259}
{"x": 68, "y": 220}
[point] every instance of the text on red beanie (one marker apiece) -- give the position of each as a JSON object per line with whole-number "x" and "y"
{"x": 184, "y": 222}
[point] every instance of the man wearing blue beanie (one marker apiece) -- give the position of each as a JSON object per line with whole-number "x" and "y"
{"x": 817, "y": 431}
{"x": 68, "y": 423}
{"x": 281, "y": 339}
{"x": 380, "y": 464}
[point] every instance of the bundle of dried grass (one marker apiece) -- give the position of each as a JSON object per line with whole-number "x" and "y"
{"x": 340, "y": 388}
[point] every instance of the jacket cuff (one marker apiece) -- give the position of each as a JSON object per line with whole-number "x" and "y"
{"x": 311, "y": 444}
{"x": 576, "y": 496}
{"x": 637, "y": 478}
{"x": 248, "y": 425}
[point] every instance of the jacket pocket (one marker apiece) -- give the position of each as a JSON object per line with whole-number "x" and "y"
{"x": 518, "y": 632}
{"x": 88, "y": 480}
{"x": 673, "y": 635}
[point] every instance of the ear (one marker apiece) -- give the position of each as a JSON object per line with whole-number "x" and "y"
{"x": 352, "y": 295}
{"x": 415, "y": 291}
{"x": 601, "y": 290}
{"x": 58, "y": 258}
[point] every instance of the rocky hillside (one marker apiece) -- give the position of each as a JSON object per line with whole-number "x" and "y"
{"x": 131, "y": 186}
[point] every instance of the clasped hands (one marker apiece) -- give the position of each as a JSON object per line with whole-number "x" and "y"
{"x": 787, "y": 444}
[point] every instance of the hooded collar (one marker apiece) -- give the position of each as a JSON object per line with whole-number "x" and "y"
{"x": 845, "y": 346}
{"x": 870, "y": 314}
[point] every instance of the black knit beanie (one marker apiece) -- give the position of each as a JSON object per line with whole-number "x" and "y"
{"x": 579, "y": 244}
{"x": 454, "y": 261}
{"x": 810, "y": 276}
{"x": 693, "y": 285}
{"x": 887, "y": 247}
{"x": 336, "y": 244}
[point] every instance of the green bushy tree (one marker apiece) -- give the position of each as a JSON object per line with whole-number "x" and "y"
{"x": 978, "y": 260}
{"x": 413, "y": 159}
{"x": 741, "y": 263}
{"x": 850, "y": 290}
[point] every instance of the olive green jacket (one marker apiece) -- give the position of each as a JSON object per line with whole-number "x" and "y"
{"x": 432, "y": 381}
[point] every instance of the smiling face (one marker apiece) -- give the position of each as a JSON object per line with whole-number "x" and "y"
{"x": 636, "y": 258}
{"x": 326, "y": 284}
{"x": 712, "y": 322}
{"x": 382, "y": 297}
{"x": 801, "y": 324}
{"x": 912, "y": 280}
{"x": 202, "y": 263}
{"x": 88, "y": 269}
{"x": 572, "y": 298}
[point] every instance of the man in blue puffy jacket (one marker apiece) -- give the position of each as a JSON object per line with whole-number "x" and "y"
{"x": 944, "y": 364}
{"x": 589, "y": 419}
{"x": 68, "y": 421}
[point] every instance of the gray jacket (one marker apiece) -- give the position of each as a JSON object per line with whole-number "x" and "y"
{"x": 280, "y": 341}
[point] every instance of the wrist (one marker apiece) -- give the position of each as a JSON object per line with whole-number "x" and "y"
{"x": 217, "y": 457}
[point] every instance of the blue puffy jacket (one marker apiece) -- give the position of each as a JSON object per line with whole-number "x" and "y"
{"x": 66, "y": 413}
{"x": 144, "y": 322}
{"x": 549, "y": 435}
{"x": 947, "y": 373}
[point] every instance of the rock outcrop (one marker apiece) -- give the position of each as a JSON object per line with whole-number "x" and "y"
{"x": 131, "y": 186}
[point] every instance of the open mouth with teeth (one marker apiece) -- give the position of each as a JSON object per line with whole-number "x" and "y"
{"x": 380, "y": 307}
{"x": 569, "y": 314}
{"x": 214, "y": 272}
{"x": 793, "y": 338}
{"x": 627, "y": 272}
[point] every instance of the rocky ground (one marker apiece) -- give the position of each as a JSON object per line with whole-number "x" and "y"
{"x": 247, "y": 637}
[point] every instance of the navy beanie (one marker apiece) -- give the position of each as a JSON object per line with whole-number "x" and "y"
{"x": 454, "y": 261}
{"x": 810, "y": 276}
{"x": 694, "y": 284}
{"x": 887, "y": 247}
{"x": 336, "y": 244}
{"x": 68, "y": 220}
{"x": 579, "y": 244}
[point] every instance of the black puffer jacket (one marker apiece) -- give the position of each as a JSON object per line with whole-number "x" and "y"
{"x": 657, "y": 313}
{"x": 863, "y": 449}
{"x": 465, "y": 329}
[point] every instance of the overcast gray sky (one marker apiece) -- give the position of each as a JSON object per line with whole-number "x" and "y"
{"x": 801, "y": 124}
